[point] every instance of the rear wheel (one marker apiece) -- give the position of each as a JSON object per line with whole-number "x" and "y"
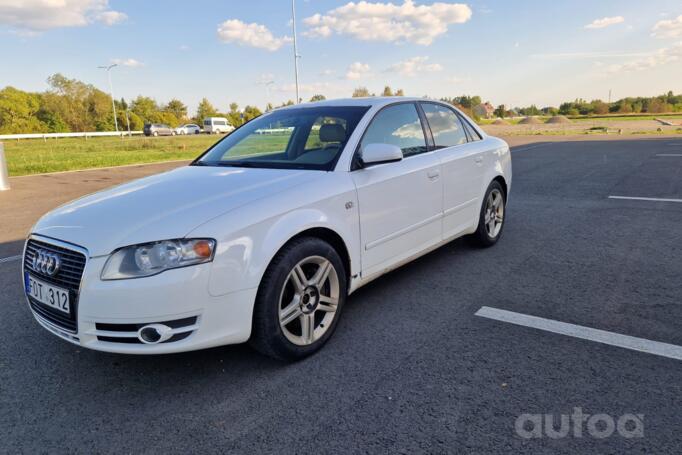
{"x": 299, "y": 300}
{"x": 491, "y": 217}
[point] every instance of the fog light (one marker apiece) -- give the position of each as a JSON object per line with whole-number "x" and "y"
{"x": 154, "y": 333}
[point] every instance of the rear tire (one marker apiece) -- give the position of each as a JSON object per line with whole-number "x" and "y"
{"x": 491, "y": 217}
{"x": 299, "y": 300}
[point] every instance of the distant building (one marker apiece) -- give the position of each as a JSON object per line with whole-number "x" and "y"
{"x": 484, "y": 110}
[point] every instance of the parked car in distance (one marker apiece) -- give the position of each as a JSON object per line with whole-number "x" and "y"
{"x": 263, "y": 237}
{"x": 188, "y": 128}
{"x": 217, "y": 125}
{"x": 158, "y": 129}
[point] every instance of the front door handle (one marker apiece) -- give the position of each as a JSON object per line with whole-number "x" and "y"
{"x": 433, "y": 175}
{"x": 479, "y": 159}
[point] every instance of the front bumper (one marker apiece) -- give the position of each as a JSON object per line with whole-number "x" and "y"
{"x": 109, "y": 312}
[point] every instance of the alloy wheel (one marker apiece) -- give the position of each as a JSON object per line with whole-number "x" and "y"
{"x": 309, "y": 300}
{"x": 494, "y": 213}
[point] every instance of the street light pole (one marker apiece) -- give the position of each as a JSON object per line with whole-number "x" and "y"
{"x": 111, "y": 91}
{"x": 296, "y": 56}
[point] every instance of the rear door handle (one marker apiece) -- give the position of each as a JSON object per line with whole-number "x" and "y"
{"x": 479, "y": 159}
{"x": 433, "y": 175}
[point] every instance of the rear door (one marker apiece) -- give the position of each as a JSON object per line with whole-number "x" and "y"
{"x": 462, "y": 167}
{"x": 400, "y": 203}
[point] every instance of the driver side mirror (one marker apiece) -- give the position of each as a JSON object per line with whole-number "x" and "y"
{"x": 379, "y": 154}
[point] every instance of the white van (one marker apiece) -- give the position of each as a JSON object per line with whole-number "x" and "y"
{"x": 217, "y": 125}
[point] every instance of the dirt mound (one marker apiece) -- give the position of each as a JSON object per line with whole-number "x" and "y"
{"x": 558, "y": 119}
{"x": 530, "y": 121}
{"x": 499, "y": 121}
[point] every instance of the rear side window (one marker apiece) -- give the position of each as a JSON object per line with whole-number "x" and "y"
{"x": 473, "y": 134}
{"x": 397, "y": 125}
{"x": 446, "y": 127}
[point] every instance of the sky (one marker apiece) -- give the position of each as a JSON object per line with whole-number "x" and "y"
{"x": 515, "y": 53}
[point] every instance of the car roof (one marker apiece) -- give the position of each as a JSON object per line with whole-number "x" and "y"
{"x": 370, "y": 101}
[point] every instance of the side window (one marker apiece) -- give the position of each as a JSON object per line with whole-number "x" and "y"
{"x": 445, "y": 126}
{"x": 473, "y": 134}
{"x": 397, "y": 125}
{"x": 326, "y": 132}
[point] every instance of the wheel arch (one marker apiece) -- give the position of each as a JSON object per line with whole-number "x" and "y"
{"x": 501, "y": 180}
{"x": 328, "y": 235}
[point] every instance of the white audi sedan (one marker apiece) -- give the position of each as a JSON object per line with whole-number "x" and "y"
{"x": 264, "y": 236}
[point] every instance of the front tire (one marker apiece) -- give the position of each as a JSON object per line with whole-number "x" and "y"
{"x": 299, "y": 300}
{"x": 492, "y": 216}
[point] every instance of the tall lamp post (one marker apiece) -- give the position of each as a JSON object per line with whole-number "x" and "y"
{"x": 111, "y": 91}
{"x": 296, "y": 56}
{"x": 267, "y": 85}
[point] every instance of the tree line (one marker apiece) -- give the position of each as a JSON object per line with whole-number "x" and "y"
{"x": 70, "y": 105}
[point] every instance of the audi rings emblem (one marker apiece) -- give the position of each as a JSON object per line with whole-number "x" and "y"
{"x": 46, "y": 262}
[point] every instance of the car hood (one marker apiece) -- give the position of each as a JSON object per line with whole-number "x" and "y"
{"x": 163, "y": 206}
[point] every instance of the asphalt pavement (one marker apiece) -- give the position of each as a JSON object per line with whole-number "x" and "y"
{"x": 411, "y": 368}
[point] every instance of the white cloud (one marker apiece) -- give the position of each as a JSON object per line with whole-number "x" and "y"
{"x": 388, "y": 22}
{"x": 357, "y": 70}
{"x": 254, "y": 35}
{"x": 605, "y": 22}
{"x": 34, "y": 16}
{"x": 326, "y": 72}
{"x": 131, "y": 62}
{"x": 660, "y": 57}
{"x": 668, "y": 28}
{"x": 111, "y": 17}
{"x": 265, "y": 78}
{"x": 413, "y": 66}
{"x": 184, "y": 47}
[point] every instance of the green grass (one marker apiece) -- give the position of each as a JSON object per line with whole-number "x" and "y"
{"x": 34, "y": 156}
{"x": 628, "y": 117}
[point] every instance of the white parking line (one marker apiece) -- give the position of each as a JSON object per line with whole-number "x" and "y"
{"x": 10, "y": 259}
{"x": 586, "y": 333}
{"x": 669, "y": 154}
{"x": 654, "y": 199}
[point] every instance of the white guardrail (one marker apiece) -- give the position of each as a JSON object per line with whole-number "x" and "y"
{"x": 60, "y": 135}
{"x": 4, "y": 177}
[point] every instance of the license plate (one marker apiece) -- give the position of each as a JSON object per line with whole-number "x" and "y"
{"x": 47, "y": 294}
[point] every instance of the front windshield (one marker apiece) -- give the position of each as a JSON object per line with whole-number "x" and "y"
{"x": 295, "y": 138}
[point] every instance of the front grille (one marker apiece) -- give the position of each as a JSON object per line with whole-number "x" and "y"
{"x": 69, "y": 277}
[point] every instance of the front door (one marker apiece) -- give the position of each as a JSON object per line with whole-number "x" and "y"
{"x": 400, "y": 203}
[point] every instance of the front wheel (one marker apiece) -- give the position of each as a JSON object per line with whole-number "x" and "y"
{"x": 491, "y": 217}
{"x": 299, "y": 300}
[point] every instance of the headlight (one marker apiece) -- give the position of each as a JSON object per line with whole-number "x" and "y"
{"x": 153, "y": 258}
